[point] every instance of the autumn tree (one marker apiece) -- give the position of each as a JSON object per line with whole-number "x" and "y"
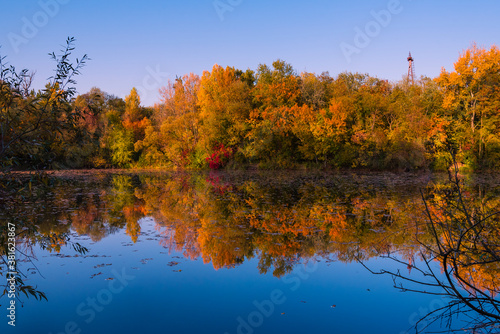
{"x": 174, "y": 134}
{"x": 101, "y": 114}
{"x": 126, "y": 126}
{"x": 472, "y": 100}
{"x": 225, "y": 103}
{"x": 315, "y": 90}
{"x": 277, "y": 90}
{"x": 135, "y": 119}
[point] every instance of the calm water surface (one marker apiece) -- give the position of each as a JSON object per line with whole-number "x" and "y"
{"x": 240, "y": 252}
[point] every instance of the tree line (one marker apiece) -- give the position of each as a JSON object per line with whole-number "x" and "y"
{"x": 273, "y": 117}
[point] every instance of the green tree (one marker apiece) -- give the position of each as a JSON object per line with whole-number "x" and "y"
{"x": 122, "y": 146}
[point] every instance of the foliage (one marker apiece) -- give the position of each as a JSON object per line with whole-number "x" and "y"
{"x": 36, "y": 127}
{"x": 472, "y": 101}
{"x": 464, "y": 243}
{"x": 273, "y": 117}
{"x": 220, "y": 156}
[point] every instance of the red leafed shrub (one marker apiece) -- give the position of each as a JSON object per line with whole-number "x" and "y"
{"x": 220, "y": 156}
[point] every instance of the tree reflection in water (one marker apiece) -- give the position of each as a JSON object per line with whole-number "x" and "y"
{"x": 283, "y": 218}
{"x": 465, "y": 243}
{"x": 27, "y": 221}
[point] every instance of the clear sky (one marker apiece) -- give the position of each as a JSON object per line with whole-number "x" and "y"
{"x": 144, "y": 43}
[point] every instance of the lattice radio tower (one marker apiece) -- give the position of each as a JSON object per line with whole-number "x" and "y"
{"x": 411, "y": 69}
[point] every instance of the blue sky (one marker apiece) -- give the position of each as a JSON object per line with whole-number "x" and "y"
{"x": 144, "y": 43}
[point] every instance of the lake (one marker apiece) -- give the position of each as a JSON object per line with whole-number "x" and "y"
{"x": 228, "y": 252}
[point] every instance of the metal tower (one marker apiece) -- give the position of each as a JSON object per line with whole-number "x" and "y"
{"x": 411, "y": 69}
